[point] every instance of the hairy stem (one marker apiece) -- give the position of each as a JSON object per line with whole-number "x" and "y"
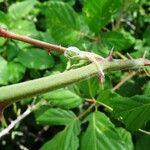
{"x": 35, "y": 87}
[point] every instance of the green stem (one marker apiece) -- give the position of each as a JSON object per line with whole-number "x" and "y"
{"x": 13, "y": 93}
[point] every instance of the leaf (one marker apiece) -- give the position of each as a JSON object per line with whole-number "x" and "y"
{"x": 126, "y": 138}
{"x": 147, "y": 89}
{"x": 63, "y": 98}
{"x": 66, "y": 139}
{"x": 143, "y": 143}
{"x": 89, "y": 87}
{"x": 99, "y": 13}
{"x": 100, "y": 134}
{"x": 19, "y": 10}
{"x": 3, "y": 71}
{"x": 51, "y": 116}
{"x": 117, "y": 40}
{"x": 35, "y": 59}
{"x": 146, "y": 35}
{"x": 134, "y": 111}
{"x": 63, "y": 22}
{"x": 4, "y": 19}
{"x": 23, "y": 27}
{"x": 15, "y": 72}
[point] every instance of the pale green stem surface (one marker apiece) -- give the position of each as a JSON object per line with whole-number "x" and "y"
{"x": 15, "y": 92}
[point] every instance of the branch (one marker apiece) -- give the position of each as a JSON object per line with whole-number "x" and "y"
{"x": 7, "y": 34}
{"x": 20, "y": 118}
{"x": 15, "y": 92}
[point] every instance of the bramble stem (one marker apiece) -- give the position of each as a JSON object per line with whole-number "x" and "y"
{"x": 15, "y": 92}
{"x": 7, "y": 34}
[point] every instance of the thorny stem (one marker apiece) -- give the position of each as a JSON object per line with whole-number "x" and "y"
{"x": 13, "y": 93}
{"x": 7, "y": 34}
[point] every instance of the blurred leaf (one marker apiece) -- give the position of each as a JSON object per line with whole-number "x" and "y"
{"x": 147, "y": 89}
{"x": 126, "y": 138}
{"x": 117, "y": 40}
{"x": 99, "y": 13}
{"x": 143, "y": 143}
{"x": 23, "y": 27}
{"x": 106, "y": 96}
{"x": 66, "y": 139}
{"x": 3, "y": 71}
{"x": 63, "y": 98}
{"x": 100, "y": 134}
{"x": 54, "y": 116}
{"x": 12, "y": 50}
{"x": 35, "y": 59}
{"x": 63, "y": 22}
{"x": 4, "y": 20}
{"x": 15, "y": 72}
{"x": 19, "y": 10}
{"x": 146, "y": 35}
{"x": 134, "y": 111}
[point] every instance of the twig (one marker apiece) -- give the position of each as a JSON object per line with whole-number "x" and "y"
{"x": 20, "y": 118}
{"x": 126, "y": 78}
{"x": 7, "y": 34}
{"x": 144, "y": 131}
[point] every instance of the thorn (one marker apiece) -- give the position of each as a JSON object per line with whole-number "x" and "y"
{"x": 144, "y": 55}
{"x": 130, "y": 57}
{"x": 110, "y": 57}
{"x": 101, "y": 79}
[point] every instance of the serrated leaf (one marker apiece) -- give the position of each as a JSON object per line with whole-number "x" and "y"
{"x": 117, "y": 40}
{"x": 3, "y": 71}
{"x": 126, "y": 138}
{"x": 134, "y": 111}
{"x": 63, "y": 22}
{"x": 35, "y": 59}
{"x": 51, "y": 116}
{"x": 100, "y": 134}
{"x": 15, "y": 72}
{"x": 98, "y": 13}
{"x": 19, "y": 10}
{"x": 66, "y": 139}
{"x": 63, "y": 98}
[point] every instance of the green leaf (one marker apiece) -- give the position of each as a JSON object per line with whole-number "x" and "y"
{"x": 117, "y": 40}
{"x": 90, "y": 87}
{"x": 66, "y": 139}
{"x": 4, "y": 19}
{"x": 143, "y": 143}
{"x": 146, "y": 36}
{"x": 15, "y": 72}
{"x": 63, "y": 98}
{"x": 147, "y": 89}
{"x": 63, "y": 22}
{"x": 100, "y": 134}
{"x": 23, "y": 27}
{"x": 126, "y": 138}
{"x": 35, "y": 59}
{"x": 134, "y": 111}
{"x": 99, "y": 13}
{"x": 19, "y": 10}
{"x": 51, "y": 116}
{"x": 3, "y": 71}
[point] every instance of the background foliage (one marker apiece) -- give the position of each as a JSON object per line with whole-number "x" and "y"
{"x": 65, "y": 123}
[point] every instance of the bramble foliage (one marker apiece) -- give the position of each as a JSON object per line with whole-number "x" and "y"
{"x": 66, "y": 122}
